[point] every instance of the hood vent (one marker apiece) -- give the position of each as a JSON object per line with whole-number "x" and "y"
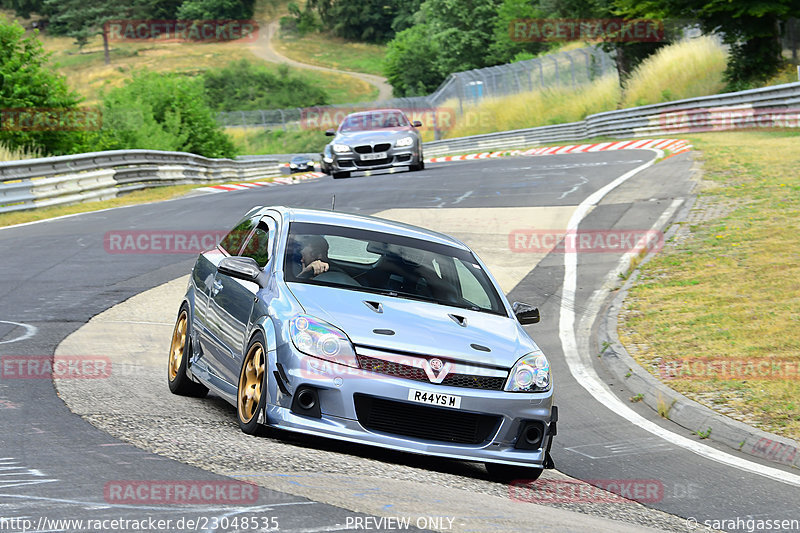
{"x": 460, "y": 320}
{"x": 480, "y": 347}
{"x": 375, "y": 306}
{"x": 383, "y": 331}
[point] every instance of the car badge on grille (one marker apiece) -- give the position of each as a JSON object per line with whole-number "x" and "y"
{"x": 436, "y": 370}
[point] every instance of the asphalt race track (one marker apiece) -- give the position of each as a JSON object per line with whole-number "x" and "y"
{"x": 57, "y": 275}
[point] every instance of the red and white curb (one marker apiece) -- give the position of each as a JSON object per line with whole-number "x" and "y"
{"x": 675, "y": 146}
{"x": 256, "y": 184}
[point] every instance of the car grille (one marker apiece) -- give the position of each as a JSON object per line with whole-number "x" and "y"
{"x": 424, "y": 422}
{"x": 374, "y": 162}
{"x": 368, "y": 149}
{"x": 468, "y": 381}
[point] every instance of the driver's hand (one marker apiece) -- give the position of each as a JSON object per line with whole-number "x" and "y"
{"x": 316, "y": 268}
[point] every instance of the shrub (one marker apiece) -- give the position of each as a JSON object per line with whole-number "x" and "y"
{"x": 245, "y": 86}
{"x": 161, "y": 112}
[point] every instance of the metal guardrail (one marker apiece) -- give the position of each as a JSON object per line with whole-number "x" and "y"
{"x": 33, "y": 183}
{"x": 58, "y": 180}
{"x": 777, "y": 106}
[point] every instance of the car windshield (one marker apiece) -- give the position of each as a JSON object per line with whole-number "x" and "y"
{"x": 373, "y": 121}
{"x": 383, "y": 263}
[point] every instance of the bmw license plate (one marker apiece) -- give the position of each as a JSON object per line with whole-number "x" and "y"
{"x": 372, "y": 157}
{"x": 431, "y": 398}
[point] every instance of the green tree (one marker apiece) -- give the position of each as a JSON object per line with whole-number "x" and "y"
{"x": 411, "y": 62}
{"x": 752, "y": 29}
{"x": 462, "y": 31}
{"x": 29, "y": 85}
{"x": 82, "y": 19}
{"x": 162, "y": 112}
{"x": 450, "y": 36}
{"x": 23, "y": 8}
{"x": 367, "y": 20}
{"x": 216, "y": 9}
{"x": 504, "y": 48}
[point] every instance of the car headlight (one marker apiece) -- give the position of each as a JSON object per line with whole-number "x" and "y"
{"x": 328, "y": 159}
{"x": 530, "y": 374}
{"x": 405, "y": 141}
{"x": 341, "y": 148}
{"x": 317, "y": 338}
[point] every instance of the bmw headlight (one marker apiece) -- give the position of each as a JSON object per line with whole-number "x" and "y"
{"x": 405, "y": 141}
{"x": 341, "y": 148}
{"x": 317, "y": 338}
{"x": 530, "y": 374}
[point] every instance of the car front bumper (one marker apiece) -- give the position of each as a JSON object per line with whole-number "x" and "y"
{"x": 395, "y": 157}
{"x": 341, "y": 390}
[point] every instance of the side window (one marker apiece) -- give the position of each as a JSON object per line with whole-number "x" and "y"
{"x": 258, "y": 245}
{"x": 471, "y": 289}
{"x": 232, "y": 242}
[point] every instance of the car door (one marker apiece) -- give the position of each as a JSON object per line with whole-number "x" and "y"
{"x": 230, "y": 306}
{"x": 203, "y": 278}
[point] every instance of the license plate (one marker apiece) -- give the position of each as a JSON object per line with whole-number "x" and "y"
{"x": 372, "y": 157}
{"x": 432, "y": 398}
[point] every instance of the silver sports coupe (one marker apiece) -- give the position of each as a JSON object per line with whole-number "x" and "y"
{"x": 376, "y": 139}
{"x": 366, "y": 330}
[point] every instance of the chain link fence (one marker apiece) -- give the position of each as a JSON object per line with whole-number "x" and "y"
{"x": 459, "y": 91}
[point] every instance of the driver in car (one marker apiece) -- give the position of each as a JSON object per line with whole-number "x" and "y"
{"x": 314, "y": 256}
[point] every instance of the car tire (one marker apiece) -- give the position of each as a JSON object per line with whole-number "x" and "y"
{"x": 252, "y": 391}
{"x": 179, "y": 350}
{"x": 338, "y": 175}
{"x": 418, "y": 166}
{"x": 509, "y": 473}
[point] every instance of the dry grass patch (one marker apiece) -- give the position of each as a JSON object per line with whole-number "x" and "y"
{"x": 683, "y": 70}
{"x": 730, "y": 287}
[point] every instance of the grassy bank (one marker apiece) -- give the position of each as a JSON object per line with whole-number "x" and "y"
{"x": 728, "y": 288}
{"x": 87, "y": 73}
{"x": 333, "y": 52}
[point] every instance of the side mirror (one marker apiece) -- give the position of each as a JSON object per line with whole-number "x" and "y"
{"x": 330, "y": 133}
{"x": 526, "y": 314}
{"x": 244, "y": 268}
{"x": 417, "y": 124}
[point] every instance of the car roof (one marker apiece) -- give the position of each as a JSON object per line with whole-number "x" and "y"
{"x": 321, "y": 216}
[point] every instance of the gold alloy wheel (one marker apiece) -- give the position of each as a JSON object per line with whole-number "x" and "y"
{"x": 250, "y": 382}
{"x": 178, "y": 345}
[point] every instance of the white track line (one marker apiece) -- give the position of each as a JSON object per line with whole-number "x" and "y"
{"x": 587, "y": 378}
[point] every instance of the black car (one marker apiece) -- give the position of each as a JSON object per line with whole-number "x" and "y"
{"x": 301, "y": 163}
{"x": 377, "y": 139}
